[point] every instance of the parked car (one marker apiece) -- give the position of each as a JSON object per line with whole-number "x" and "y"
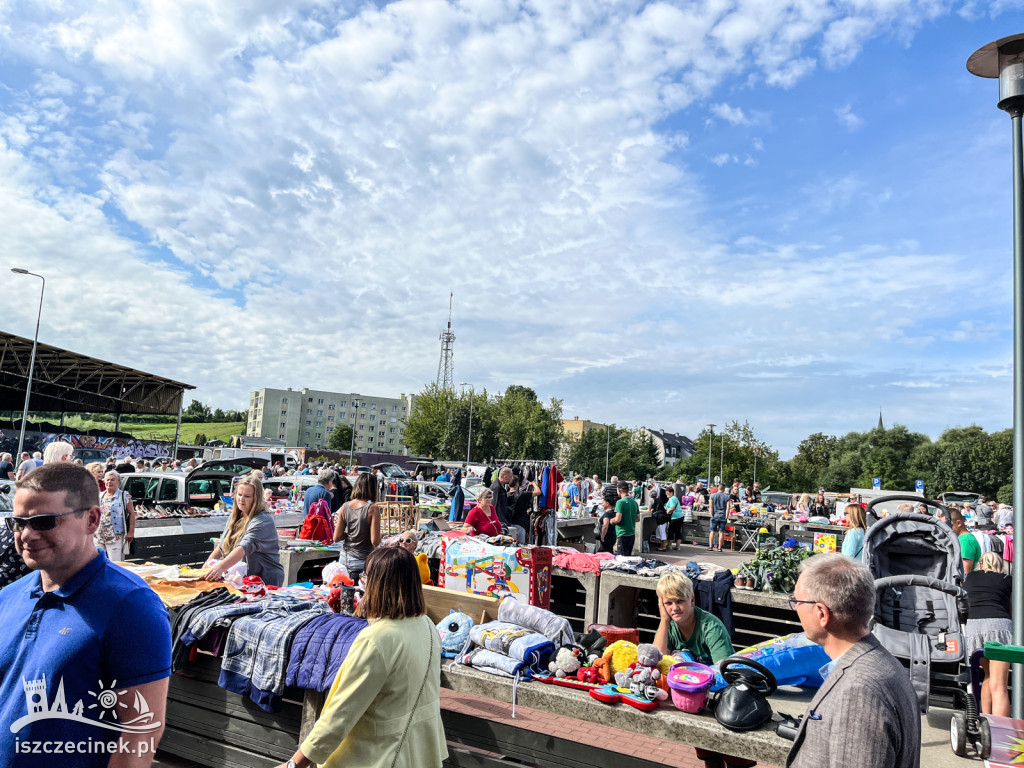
{"x": 282, "y": 487}
{"x": 89, "y": 455}
{"x": 202, "y": 487}
{"x": 959, "y": 497}
{"x": 391, "y": 470}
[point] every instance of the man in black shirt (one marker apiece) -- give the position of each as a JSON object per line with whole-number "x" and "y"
{"x": 6, "y": 467}
{"x": 124, "y": 467}
{"x": 500, "y": 495}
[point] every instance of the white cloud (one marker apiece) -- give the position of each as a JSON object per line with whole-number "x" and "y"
{"x": 268, "y": 195}
{"x": 732, "y": 115}
{"x": 847, "y": 118}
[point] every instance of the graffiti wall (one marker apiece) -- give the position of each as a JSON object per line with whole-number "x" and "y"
{"x": 118, "y": 446}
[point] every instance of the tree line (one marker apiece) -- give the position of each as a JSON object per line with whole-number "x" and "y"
{"x": 962, "y": 459}
{"x": 513, "y": 424}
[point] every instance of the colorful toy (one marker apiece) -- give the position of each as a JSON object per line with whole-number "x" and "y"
{"x": 589, "y": 675}
{"x": 641, "y": 677}
{"x": 689, "y": 683}
{"x": 793, "y": 659}
{"x": 454, "y": 631}
{"x": 612, "y": 694}
{"x": 565, "y": 663}
{"x": 253, "y": 588}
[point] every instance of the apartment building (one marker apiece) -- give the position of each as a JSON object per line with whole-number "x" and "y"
{"x": 305, "y": 418}
{"x": 671, "y": 446}
{"x": 574, "y": 428}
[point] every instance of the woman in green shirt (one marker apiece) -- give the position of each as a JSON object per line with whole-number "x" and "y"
{"x": 684, "y": 626}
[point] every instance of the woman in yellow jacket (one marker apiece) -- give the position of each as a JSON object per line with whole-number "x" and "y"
{"x": 384, "y": 709}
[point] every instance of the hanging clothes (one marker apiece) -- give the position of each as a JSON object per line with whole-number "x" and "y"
{"x": 552, "y": 491}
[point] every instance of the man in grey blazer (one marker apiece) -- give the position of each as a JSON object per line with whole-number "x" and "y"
{"x": 866, "y": 712}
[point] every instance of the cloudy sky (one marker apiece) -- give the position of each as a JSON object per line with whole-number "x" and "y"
{"x": 794, "y": 213}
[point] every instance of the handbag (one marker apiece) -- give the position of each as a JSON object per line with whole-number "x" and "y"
{"x": 401, "y": 741}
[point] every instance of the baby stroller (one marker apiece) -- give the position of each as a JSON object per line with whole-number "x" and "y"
{"x": 920, "y": 603}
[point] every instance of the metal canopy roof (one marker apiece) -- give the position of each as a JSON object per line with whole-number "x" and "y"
{"x": 74, "y": 383}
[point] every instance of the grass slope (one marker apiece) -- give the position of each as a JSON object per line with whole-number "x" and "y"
{"x": 212, "y": 430}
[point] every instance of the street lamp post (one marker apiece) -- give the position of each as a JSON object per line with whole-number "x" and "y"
{"x": 721, "y": 459}
{"x": 32, "y": 359}
{"x": 1004, "y": 59}
{"x": 711, "y": 441}
{"x": 469, "y": 440}
{"x": 355, "y": 424}
{"x": 607, "y": 447}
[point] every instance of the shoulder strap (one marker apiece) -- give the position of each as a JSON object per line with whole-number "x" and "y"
{"x": 416, "y": 704}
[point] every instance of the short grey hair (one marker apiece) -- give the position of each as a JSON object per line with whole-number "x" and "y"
{"x": 844, "y": 585}
{"x": 325, "y": 476}
{"x": 58, "y": 451}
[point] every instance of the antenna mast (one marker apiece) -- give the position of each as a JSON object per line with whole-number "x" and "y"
{"x": 445, "y": 375}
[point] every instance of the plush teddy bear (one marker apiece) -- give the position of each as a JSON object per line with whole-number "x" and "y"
{"x": 641, "y": 677}
{"x": 566, "y": 662}
{"x": 589, "y": 675}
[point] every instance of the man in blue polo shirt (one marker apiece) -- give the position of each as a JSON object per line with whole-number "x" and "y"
{"x": 86, "y": 659}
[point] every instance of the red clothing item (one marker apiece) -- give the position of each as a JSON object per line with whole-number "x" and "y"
{"x": 481, "y": 522}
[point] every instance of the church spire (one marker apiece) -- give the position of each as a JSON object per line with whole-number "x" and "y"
{"x": 880, "y": 424}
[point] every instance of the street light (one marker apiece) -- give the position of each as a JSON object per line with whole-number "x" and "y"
{"x": 472, "y": 396}
{"x": 355, "y": 425}
{"x": 1004, "y": 59}
{"x": 32, "y": 359}
{"x": 711, "y": 440}
{"x": 607, "y": 447}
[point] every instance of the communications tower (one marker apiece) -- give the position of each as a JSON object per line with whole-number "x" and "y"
{"x": 445, "y": 375}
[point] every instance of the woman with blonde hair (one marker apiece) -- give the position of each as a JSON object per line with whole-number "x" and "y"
{"x": 856, "y": 521}
{"x": 989, "y": 591}
{"x": 384, "y": 709}
{"x": 250, "y": 534}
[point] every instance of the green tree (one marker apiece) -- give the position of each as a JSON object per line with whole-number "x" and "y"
{"x": 196, "y": 411}
{"x": 200, "y": 439}
{"x": 525, "y": 428}
{"x": 341, "y": 438}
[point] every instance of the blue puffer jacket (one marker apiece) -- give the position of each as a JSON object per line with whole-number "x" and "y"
{"x": 319, "y": 648}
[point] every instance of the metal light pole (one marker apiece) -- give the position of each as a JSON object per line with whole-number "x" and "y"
{"x": 607, "y": 446}
{"x": 472, "y": 396}
{"x": 32, "y": 359}
{"x": 355, "y": 425}
{"x": 711, "y": 441}
{"x": 1004, "y": 59}
{"x": 721, "y": 459}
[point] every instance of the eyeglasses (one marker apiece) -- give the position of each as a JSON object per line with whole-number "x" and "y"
{"x": 407, "y": 541}
{"x": 39, "y": 522}
{"x": 793, "y": 602}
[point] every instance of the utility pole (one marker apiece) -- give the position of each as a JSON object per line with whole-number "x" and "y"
{"x": 711, "y": 441}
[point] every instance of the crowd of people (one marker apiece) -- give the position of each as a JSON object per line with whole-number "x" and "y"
{"x": 71, "y": 522}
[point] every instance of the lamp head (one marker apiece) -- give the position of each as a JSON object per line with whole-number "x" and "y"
{"x": 19, "y": 271}
{"x": 1003, "y": 58}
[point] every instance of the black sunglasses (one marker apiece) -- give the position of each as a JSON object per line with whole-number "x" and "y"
{"x": 39, "y": 522}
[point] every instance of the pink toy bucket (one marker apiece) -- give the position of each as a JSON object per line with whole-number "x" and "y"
{"x": 689, "y": 682}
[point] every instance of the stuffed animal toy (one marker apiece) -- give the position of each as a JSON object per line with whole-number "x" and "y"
{"x": 589, "y": 675}
{"x": 641, "y": 677}
{"x": 566, "y": 662}
{"x": 619, "y": 656}
{"x": 603, "y": 668}
{"x": 454, "y": 631}
{"x": 253, "y": 588}
{"x": 424, "y": 566}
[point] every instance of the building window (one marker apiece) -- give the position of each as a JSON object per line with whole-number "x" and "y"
{"x": 394, "y": 420}
{"x": 341, "y": 404}
{"x": 331, "y": 417}
{"x": 320, "y": 412}
{"x": 283, "y": 425}
{"x": 341, "y": 415}
{"x": 362, "y": 416}
{"x": 308, "y": 424}
{"x": 380, "y": 434}
{"x": 319, "y": 423}
{"x": 284, "y": 401}
{"x": 284, "y": 413}
{"x": 330, "y": 407}
{"x": 394, "y": 408}
{"x": 309, "y": 411}
{"x": 391, "y": 430}
{"x": 280, "y": 437}
{"x": 391, "y": 441}
{"x": 330, "y": 429}
{"x": 319, "y": 435}
{"x": 311, "y": 399}
{"x": 307, "y": 434}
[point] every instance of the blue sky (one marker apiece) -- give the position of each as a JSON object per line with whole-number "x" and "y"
{"x": 664, "y": 214}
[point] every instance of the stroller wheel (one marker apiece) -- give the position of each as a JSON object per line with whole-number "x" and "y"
{"x": 958, "y": 734}
{"x": 985, "y": 738}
